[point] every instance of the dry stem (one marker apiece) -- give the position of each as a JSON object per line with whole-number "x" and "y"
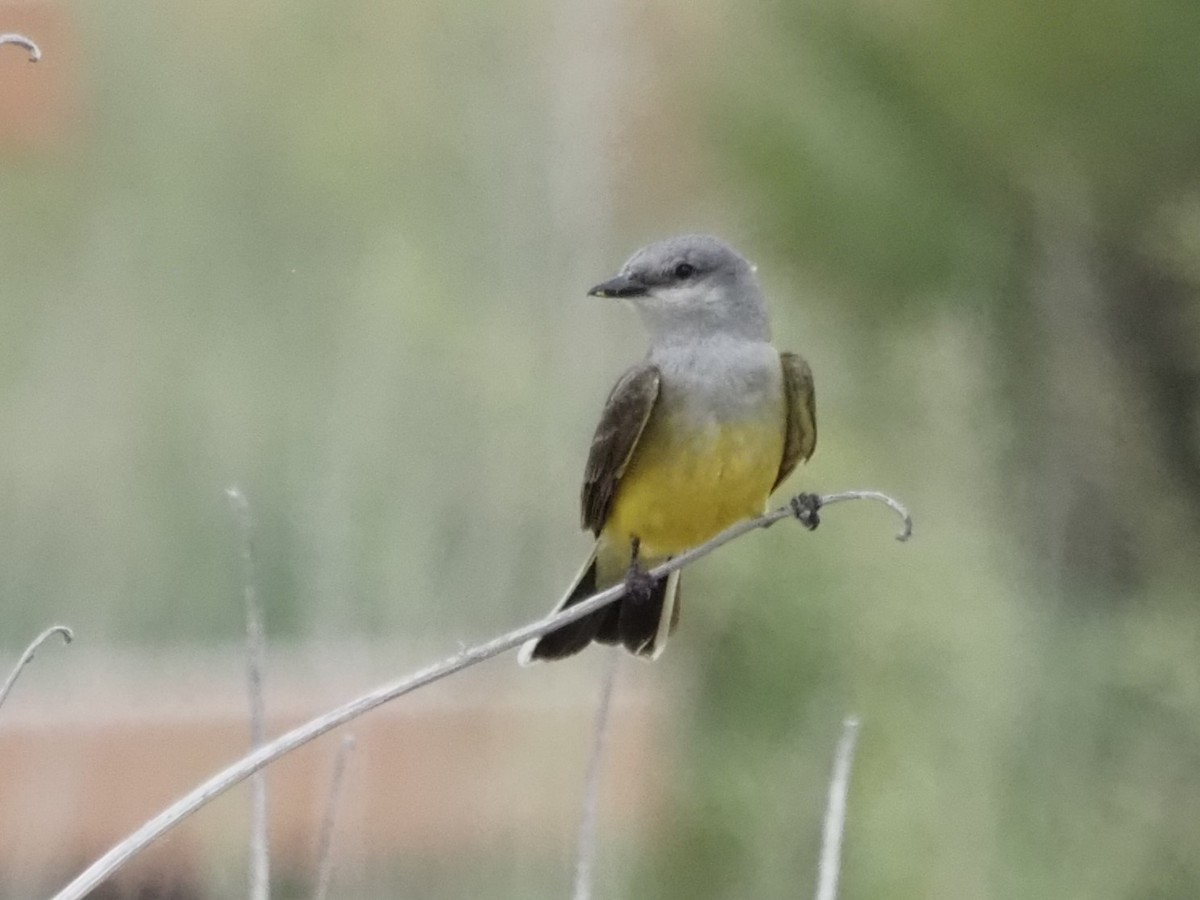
{"x": 830, "y": 865}
{"x": 329, "y": 820}
{"x": 67, "y": 636}
{"x": 35, "y": 52}
{"x": 585, "y": 858}
{"x": 260, "y": 850}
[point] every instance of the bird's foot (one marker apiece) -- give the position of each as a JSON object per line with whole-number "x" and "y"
{"x": 639, "y": 584}
{"x": 805, "y": 508}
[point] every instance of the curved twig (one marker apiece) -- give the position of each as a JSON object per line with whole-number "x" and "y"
{"x": 67, "y": 635}
{"x": 35, "y": 52}
{"x": 891, "y": 502}
{"x": 239, "y": 771}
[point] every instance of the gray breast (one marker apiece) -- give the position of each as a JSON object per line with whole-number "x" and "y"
{"x": 720, "y": 380}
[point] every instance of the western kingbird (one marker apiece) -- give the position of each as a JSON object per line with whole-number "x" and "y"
{"x": 691, "y": 440}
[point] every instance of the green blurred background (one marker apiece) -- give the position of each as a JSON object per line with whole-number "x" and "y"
{"x": 336, "y": 253}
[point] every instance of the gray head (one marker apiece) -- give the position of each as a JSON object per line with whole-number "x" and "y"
{"x": 691, "y": 287}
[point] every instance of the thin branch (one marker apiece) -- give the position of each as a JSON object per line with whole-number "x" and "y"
{"x": 243, "y": 768}
{"x": 892, "y": 503}
{"x": 585, "y": 858}
{"x": 27, "y": 656}
{"x": 260, "y": 851}
{"x": 329, "y": 820}
{"x": 830, "y": 865}
{"x": 35, "y": 52}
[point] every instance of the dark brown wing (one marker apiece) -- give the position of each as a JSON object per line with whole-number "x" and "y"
{"x": 800, "y": 439}
{"x": 625, "y": 415}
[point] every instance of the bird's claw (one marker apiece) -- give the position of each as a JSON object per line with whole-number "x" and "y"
{"x": 639, "y": 584}
{"x": 805, "y": 508}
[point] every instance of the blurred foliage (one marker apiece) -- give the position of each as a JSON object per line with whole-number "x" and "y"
{"x": 336, "y": 253}
{"x": 998, "y": 176}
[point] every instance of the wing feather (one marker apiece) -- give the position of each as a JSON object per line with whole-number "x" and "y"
{"x": 625, "y": 415}
{"x": 800, "y": 439}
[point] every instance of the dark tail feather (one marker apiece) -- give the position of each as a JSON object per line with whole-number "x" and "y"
{"x": 608, "y": 632}
{"x": 641, "y": 626}
{"x": 572, "y": 638}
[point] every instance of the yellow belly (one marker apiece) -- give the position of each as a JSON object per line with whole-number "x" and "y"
{"x": 682, "y": 489}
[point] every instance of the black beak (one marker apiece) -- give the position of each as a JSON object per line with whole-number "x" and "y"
{"x": 621, "y": 286}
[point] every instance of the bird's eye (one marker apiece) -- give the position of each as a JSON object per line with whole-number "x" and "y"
{"x": 684, "y": 270}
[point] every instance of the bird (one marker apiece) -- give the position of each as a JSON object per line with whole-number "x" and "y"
{"x": 691, "y": 440}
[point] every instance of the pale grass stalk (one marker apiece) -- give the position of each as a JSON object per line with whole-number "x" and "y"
{"x": 260, "y": 848}
{"x": 27, "y": 656}
{"x": 329, "y": 820}
{"x": 830, "y": 865}
{"x": 585, "y": 854}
